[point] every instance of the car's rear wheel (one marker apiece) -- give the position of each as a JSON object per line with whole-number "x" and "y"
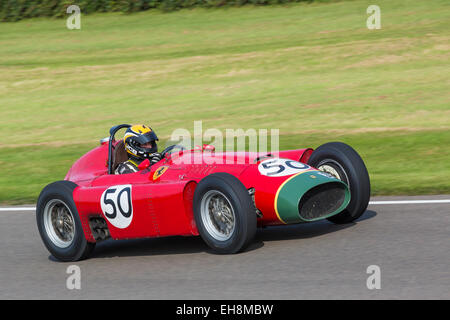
{"x": 344, "y": 163}
{"x": 59, "y": 223}
{"x": 224, "y": 213}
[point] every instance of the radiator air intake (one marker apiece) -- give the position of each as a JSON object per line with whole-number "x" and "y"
{"x": 322, "y": 201}
{"x": 310, "y": 196}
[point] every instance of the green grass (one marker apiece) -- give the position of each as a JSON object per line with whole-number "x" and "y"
{"x": 314, "y": 71}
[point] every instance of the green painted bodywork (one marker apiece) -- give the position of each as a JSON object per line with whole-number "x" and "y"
{"x": 293, "y": 189}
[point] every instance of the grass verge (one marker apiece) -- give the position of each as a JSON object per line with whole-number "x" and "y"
{"x": 314, "y": 71}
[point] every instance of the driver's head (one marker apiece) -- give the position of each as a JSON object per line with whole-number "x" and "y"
{"x": 140, "y": 141}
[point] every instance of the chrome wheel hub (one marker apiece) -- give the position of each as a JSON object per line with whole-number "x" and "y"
{"x": 217, "y": 215}
{"x": 330, "y": 170}
{"x": 335, "y": 169}
{"x": 59, "y": 223}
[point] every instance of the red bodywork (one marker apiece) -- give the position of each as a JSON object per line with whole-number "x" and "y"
{"x": 162, "y": 203}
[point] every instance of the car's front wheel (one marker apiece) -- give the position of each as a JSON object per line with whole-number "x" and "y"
{"x": 344, "y": 163}
{"x": 224, "y": 213}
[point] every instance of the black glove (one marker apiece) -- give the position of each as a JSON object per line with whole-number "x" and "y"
{"x": 154, "y": 157}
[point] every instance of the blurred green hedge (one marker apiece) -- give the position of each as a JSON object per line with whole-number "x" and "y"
{"x": 14, "y": 10}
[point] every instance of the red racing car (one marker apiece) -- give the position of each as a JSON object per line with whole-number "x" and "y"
{"x": 198, "y": 192}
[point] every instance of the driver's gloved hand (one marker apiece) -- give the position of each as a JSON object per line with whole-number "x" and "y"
{"x": 154, "y": 157}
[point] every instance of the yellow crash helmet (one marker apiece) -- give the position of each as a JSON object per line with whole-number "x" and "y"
{"x": 137, "y": 136}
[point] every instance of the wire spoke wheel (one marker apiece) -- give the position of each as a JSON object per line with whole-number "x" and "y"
{"x": 224, "y": 213}
{"x": 344, "y": 163}
{"x": 59, "y": 223}
{"x": 218, "y": 215}
{"x": 335, "y": 169}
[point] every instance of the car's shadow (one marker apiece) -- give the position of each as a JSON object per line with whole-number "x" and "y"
{"x": 187, "y": 245}
{"x": 307, "y": 230}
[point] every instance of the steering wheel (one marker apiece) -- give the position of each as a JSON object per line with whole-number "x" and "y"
{"x": 170, "y": 148}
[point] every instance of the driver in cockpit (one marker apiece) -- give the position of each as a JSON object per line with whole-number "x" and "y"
{"x": 140, "y": 144}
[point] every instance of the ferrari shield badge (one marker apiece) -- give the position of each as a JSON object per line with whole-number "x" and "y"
{"x": 159, "y": 172}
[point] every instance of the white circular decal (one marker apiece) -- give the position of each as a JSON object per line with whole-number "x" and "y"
{"x": 117, "y": 205}
{"x": 277, "y": 167}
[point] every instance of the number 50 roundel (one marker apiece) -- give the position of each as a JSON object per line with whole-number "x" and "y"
{"x": 278, "y": 167}
{"x": 117, "y": 206}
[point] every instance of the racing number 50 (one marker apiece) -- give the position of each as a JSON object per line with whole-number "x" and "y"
{"x": 113, "y": 202}
{"x": 282, "y": 166}
{"x": 117, "y": 205}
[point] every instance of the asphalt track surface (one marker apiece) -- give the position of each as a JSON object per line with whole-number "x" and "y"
{"x": 409, "y": 242}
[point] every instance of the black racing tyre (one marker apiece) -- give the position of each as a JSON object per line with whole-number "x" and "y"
{"x": 224, "y": 213}
{"x": 342, "y": 161}
{"x": 59, "y": 223}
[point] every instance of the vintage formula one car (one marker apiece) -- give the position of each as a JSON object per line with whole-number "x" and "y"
{"x": 189, "y": 192}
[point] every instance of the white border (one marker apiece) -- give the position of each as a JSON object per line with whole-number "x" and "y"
{"x": 11, "y": 209}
